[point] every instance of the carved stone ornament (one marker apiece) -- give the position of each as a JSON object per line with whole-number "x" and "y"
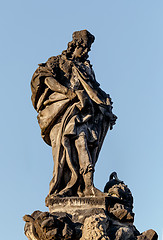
{"x": 110, "y": 217}
{"x": 74, "y": 115}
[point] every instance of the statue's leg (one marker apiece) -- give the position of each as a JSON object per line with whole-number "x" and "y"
{"x": 56, "y": 149}
{"x": 53, "y": 134}
{"x": 86, "y": 166}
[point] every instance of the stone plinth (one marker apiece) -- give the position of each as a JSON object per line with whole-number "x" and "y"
{"x": 84, "y": 218}
{"x": 73, "y": 204}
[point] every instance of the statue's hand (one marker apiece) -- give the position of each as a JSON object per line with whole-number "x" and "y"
{"x": 71, "y": 94}
{"x": 106, "y": 111}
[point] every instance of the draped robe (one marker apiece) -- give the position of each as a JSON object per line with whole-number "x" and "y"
{"x": 62, "y": 120}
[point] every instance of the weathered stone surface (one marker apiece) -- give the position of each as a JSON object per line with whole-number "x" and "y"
{"x": 46, "y": 226}
{"x": 124, "y": 233}
{"x": 119, "y": 203}
{"x": 86, "y": 218}
{"x": 95, "y": 227}
{"x": 119, "y": 231}
{"x": 73, "y": 204}
{"x": 85, "y": 225}
{"x": 148, "y": 235}
{"x": 74, "y": 115}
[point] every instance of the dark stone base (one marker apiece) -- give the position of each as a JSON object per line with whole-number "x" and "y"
{"x": 86, "y": 225}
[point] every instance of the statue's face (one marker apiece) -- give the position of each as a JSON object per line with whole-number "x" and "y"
{"x": 81, "y": 52}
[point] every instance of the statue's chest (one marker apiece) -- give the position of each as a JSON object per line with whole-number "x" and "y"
{"x": 86, "y": 71}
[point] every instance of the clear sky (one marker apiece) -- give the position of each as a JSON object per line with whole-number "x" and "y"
{"x": 127, "y": 57}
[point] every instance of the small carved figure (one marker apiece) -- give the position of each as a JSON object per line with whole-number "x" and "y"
{"x": 119, "y": 203}
{"x": 113, "y": 180}
{"x": 74, "y": 115}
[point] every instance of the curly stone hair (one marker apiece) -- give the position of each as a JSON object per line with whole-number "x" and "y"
{"x": 80, "y": 38}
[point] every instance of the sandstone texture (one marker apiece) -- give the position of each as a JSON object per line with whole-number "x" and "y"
{"x": 74, "y": 115}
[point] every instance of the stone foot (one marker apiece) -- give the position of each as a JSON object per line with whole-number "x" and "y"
{"x": 93, "y": 192}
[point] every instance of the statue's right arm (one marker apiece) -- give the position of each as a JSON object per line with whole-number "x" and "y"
{"x": 55, "y": 86}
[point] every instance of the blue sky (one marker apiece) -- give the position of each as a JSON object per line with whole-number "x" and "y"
{"x": 127, "y": 57}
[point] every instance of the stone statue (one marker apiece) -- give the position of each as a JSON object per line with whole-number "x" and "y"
{"x": 74, "y": 115}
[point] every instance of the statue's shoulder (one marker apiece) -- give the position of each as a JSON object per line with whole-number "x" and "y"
{"x": 53, "y": 62}
{"x": 47, "y": 69}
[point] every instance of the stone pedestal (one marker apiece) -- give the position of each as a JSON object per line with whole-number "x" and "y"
{"x": 86, "y": 218}
{"x": 73, "y": 204}
{"x": 66, "y": 218}
{"x": 109, "y": 216}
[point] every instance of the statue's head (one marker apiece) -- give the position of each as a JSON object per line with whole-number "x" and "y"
{"x": 79, "y": 47}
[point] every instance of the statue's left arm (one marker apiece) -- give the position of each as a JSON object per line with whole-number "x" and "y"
{"x": 98, "y": 96}
{"x": 106, "y": 107}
